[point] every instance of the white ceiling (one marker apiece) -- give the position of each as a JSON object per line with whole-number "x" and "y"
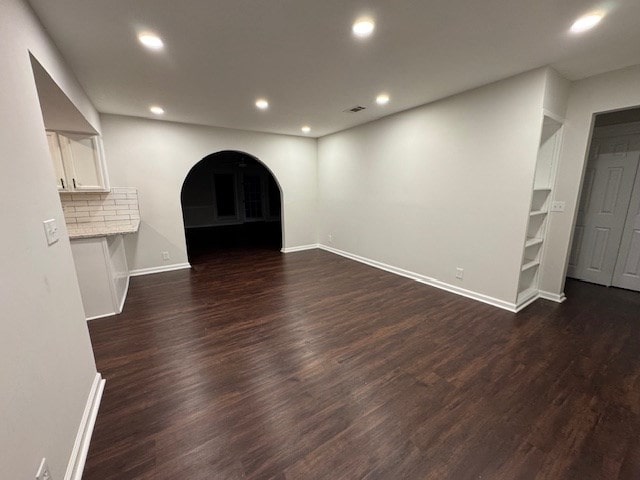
{"x": 300, "y": 54}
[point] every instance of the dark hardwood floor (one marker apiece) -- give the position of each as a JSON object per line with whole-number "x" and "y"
{"x": 258, "y": 365}
{"x": 249, "y": 235}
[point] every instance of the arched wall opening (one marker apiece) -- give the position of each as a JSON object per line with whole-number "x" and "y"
{"x": 230, "y": 199}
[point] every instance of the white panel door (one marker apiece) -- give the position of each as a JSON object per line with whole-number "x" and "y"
{"x": 609, "y": 181}
{"x": 627, "y": 271}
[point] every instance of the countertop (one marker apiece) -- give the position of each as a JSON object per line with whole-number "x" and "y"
{"x": 91, "y": 230}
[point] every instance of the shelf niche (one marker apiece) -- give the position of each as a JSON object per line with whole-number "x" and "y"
{"x": 541, "y": 195}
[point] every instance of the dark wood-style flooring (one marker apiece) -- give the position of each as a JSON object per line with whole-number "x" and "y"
{"x": 258, "y": 365}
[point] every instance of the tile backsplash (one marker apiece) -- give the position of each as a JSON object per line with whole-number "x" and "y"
{"x": 117, "y": 207}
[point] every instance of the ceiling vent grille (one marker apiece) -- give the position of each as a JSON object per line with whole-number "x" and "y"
{"x": 355, "y": 109}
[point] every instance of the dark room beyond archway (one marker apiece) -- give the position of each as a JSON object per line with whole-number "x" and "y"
{"x": 230, "y": 200}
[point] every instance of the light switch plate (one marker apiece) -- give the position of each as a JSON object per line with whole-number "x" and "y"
{"x": 557, "y": 206}
{"x": 51, "y": 231}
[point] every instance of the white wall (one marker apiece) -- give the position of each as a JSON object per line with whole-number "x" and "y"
{"x": 46, "y": 362}
{"x": 601, "y": 93}
{"x": 441, "y": 186}
{"x": 155, "y": 157}
{"x": 556, "y": 93}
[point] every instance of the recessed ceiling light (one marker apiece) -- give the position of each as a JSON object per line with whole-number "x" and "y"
{"x": 156, "y": 110}
{"x": 382, "y": 99}
{"x": 306, "y": 129}
{"x": 151, "y": 40}
{"x": 586, "y": 23}
{"x": 262, "y": 104}
{"x": 363, "y": 27}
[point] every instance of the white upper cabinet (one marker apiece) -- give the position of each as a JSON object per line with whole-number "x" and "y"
{"x": 56, "y": 158}
{"x": 82, "y": 161}
{"x": 78, "y": 162}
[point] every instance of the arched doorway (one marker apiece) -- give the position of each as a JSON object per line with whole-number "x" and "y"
{"x": 230, "y": 200}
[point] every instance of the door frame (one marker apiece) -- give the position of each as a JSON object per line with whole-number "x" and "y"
{"x": 630, "y": 128}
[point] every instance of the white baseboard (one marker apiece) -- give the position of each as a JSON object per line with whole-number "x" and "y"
{"x": 160, "y": 269}
{"x": 75, "y": 467}
{"x": 424, "y": 279}
{"x": 104, "y": 315}
{"x": 554, "y": 297}
{"x": 301, "y": 248}
{"x": 526, "y": 302}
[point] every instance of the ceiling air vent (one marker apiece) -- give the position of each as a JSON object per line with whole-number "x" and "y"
{"x": 355, "y": 109}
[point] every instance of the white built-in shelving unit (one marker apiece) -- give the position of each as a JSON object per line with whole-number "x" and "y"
{"x": 539, "y": 210}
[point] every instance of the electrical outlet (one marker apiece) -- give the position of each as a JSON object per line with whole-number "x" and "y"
{"x": 51, "y": 231}
{"x": 459, "y": 273}
{"x": 557, "y": 206}
{"x": 165, "y": 256}
{"x": 43, "y": 471}
{"x": 330, "y": 236}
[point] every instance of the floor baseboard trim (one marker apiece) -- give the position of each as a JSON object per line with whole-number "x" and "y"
{"x": 104, "y": 315}
{"x": 301, "y": 248}
{"x": 525, "y": 303}
{"x": 424, "y": 279}
{"x": 554, "y": 297}
{"x": 161, "y": 269}
{"x": 78, "y": 457}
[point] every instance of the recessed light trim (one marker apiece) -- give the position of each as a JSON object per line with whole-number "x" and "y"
{"x": 156, "y": 110}
{"x": 262, "y": 104}
{"x": 363, "y": 27}
{"x": 306, "y": 129}
{"x": 586, "y": 22}
{"x": 151, "y": 40}
{"x": 382, "y": 99}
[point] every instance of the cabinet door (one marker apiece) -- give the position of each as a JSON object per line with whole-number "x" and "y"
{"x": 56, "y": 158}
{"x": 82, "y": 161}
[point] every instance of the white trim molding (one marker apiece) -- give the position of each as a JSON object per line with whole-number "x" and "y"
{"x": 535, "y": 295}
{"x": 554, "y": 297}
{"x": 424, "y": 279}
{"x": 160, "y": 269}
{"x": 300, "y": 248}
{"x": 496, "y": 302}
{"x": 78, "y": 457}
{"x": 104, "y": 315}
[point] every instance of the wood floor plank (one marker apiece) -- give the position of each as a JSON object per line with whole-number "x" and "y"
{"x": 258, "y": 365}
